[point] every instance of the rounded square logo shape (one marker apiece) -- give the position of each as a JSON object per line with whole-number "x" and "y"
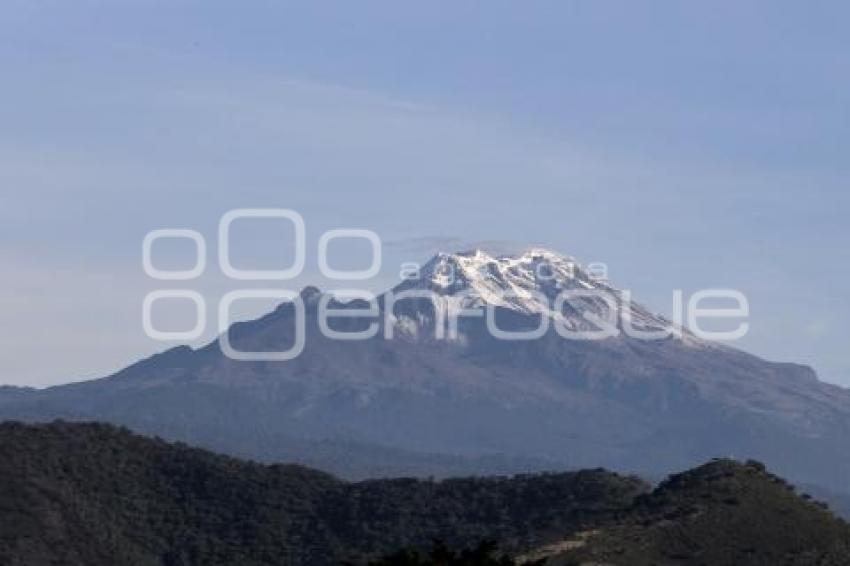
{"x": 353, "y": 233}
{"x": 172, "y": 275}
{"x": 224, "y": 324}
{"x": 187, "y": 335}
{"x": 261, "y": 274}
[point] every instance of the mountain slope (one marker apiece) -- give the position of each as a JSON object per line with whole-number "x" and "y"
{"x": 472, "y": 401}
{"x": 93, "y": 494}
{"x": 722, "y": 513}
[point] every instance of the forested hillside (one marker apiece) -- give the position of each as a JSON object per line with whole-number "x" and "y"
{"x": 95, "y": 494}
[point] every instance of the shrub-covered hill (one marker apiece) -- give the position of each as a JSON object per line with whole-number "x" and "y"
{"x": 723, "y": 513}
{"x": 91, "y": 494}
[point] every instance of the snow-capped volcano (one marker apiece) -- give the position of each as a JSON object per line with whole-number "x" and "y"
{"x": 536, "y": 282}
{"x": 637, "y": 405}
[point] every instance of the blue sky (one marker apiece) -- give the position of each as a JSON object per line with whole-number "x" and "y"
{"x": 686, "y": 146}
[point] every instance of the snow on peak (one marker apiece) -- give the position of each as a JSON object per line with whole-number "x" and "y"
{"x": 525, "y": 282}
{"x": 529, "y": 282}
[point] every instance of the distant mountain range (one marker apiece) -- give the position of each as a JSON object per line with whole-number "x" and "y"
{"x": 471, "y": 402}
{"x": 97, "y": 495}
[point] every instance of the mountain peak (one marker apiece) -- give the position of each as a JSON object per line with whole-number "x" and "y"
{"x": 527, "y": 254}
{"x": 536, "y": 281}
{"x": 526, "y": 282}
{"x": 310, "y": 293}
